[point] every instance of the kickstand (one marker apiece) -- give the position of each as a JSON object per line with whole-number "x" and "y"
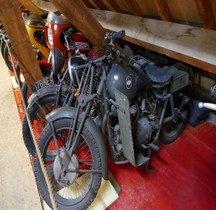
{"x": 147, "y": 166}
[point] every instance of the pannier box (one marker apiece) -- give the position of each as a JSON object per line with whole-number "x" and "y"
{"x": 179, "y": 79}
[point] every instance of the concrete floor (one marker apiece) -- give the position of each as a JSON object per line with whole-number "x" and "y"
{"x": 18, "y": 190}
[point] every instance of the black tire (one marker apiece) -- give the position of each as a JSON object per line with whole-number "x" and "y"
{"x": 170, "y": 130}
{"x": 2, "y": 48}
{"x": 87, "y": 156}
{"x": 46, "y": 101}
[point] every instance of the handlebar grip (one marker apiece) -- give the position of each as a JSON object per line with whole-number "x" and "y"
{"x": 118, "y": 35}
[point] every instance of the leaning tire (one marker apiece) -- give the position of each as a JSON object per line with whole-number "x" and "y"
{"x": 46, "y": 101}
{"x": 82, "y": 190}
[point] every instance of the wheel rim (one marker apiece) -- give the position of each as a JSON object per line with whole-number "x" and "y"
{"x": 79, "y": 183}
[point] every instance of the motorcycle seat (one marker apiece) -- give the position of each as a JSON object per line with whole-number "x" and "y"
{"x": 157, "y": 74}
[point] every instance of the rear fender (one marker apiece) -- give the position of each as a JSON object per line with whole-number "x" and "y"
{"x": 69, "y": 112}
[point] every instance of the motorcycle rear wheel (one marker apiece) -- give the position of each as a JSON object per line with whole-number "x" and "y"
{"x": 84, "y": 186}
{"x": 171, "y": 130}
{"x": 45, "y": 103}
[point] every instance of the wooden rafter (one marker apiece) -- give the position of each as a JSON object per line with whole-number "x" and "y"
{"x": 98, "y": 4}
{"x": 88, "y": 3}
{"x": 134, "y": 7}
{"x": 163, "y": 10}
{"x": 206, "y": 13}
{"x": 114, "y": 6}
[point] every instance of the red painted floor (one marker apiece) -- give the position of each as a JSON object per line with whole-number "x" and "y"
{"x": 183, "y": 176}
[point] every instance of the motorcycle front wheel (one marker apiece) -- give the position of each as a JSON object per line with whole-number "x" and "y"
{"x": 77, "y": 186}
{"x": 172, "y": 129}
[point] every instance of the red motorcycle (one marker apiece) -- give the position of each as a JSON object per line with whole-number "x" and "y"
{"x": 63, "y": 40}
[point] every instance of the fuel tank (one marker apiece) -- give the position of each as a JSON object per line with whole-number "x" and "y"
{"x": 126, "y": 79}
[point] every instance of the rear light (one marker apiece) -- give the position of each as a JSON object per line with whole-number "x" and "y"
{"x": 50, "y": 36}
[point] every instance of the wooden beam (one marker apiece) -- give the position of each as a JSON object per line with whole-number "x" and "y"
{"x": 13, "y": 23}
{"x": 206, "y": 13}
{"x": 163, "y": 10}
{"x": 88, "y": 3}
{"x": 79, "y": 15}
{"x": 189, "y": 44}
{"x": 31, "y": 6}
{"x": 134, "y": 7}
{"x": 114, "y": 6}
{"x": 98, "y": 4}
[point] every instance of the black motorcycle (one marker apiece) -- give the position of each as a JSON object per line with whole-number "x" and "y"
{"x": 118, "y": 105}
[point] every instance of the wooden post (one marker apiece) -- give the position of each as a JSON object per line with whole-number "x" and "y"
{"x": 11, "y": 18}
{"x": 79, "y": 15}
{"x": 163, "y": 10}
{"x": 206, "y": 13}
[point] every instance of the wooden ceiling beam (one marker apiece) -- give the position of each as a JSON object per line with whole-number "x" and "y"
{"x": 88, "y": 3}
{"x": 80, "y": 16}
{"x": 13, "y": 23}
{"x": 114, "y": 6}
{"x": 98, "y": 4}
{"x": 134, "y": 7}
{"x": 163, "y": 10}
{"x": 206, "y": 14}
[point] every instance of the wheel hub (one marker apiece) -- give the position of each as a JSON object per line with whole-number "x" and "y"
{"x": 62, "y": 176}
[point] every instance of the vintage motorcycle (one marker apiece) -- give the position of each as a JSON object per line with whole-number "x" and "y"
{"x": 119, "y": 105}
{"x": 64, "y": 41}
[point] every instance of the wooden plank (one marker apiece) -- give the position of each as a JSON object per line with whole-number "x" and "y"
{"x": 192, "y": 45}
{"x": 80, "y": 16}
{"x": 12, "y": 20}
{"x": 134, "y": 7}
{"x": 206, "y": 13}
{"x": 163, "y": 10}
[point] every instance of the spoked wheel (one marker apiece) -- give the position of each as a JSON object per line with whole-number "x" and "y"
{"x": 171, "y": 129}
{"x": 44, "y": 104}
{"x": 76, "y": 186}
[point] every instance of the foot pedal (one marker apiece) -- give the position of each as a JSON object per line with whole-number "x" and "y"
{"x": 154, "y": 147}
{"x": 141, "y": 159}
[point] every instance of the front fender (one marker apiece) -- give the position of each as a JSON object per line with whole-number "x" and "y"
{"x": 44, "y": 91}
{"x": 69, "y": 112}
